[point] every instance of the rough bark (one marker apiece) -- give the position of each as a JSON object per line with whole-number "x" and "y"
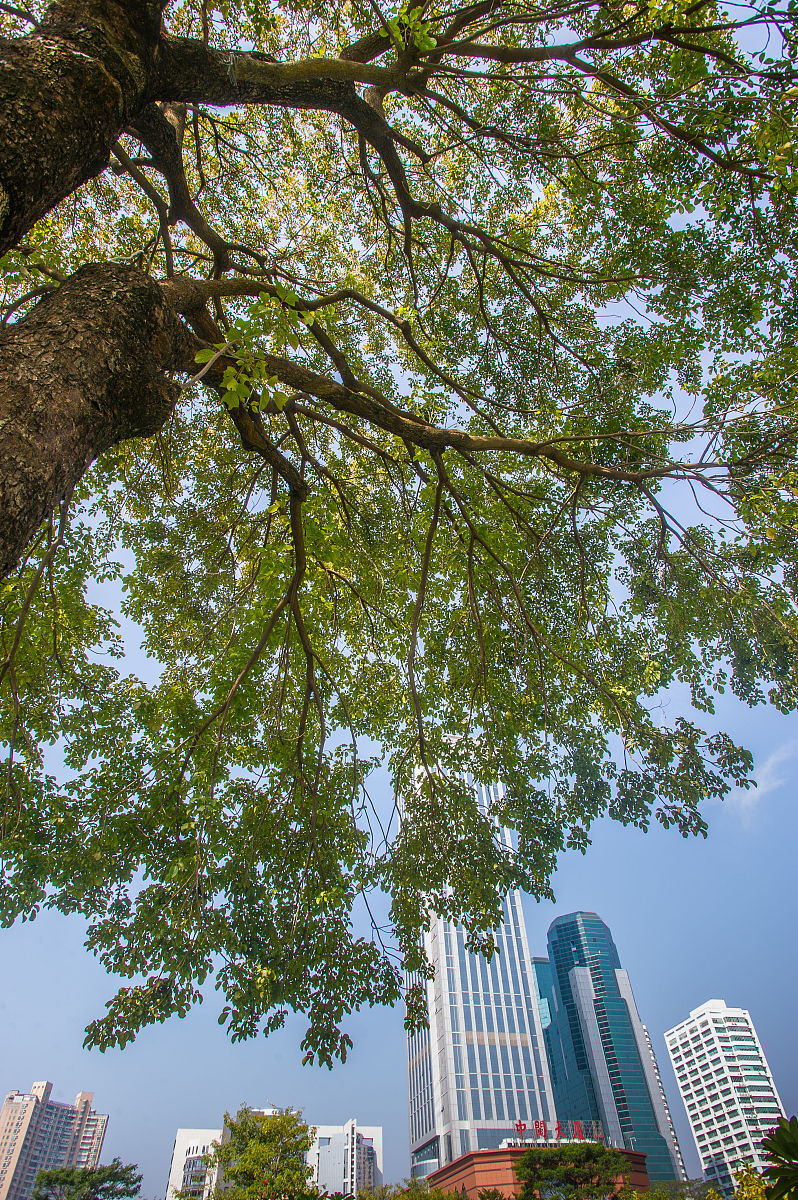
{"x": 86, "y": 368}
{"x": 67, "y": 90}
{"x": 91, "y": 67}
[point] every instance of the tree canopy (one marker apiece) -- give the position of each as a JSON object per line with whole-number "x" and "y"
{"x": 586, "y": 1171}
{"x": 678, "y": 1189}
{"x": 750, "y": 1185}
{"x": 262, "y": 1156}
{"x": 114, "y": 1181}
{"x": 425, "y": 377}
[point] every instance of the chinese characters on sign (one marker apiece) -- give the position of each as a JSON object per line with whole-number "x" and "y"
{"x": 569, "y": 1131}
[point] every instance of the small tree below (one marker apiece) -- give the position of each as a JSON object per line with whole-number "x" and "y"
{"x": 678, "y": 1189}
{"x": 571, "y": 1172}
{"x": 112, "y": 1182}
{"x": 749, "y": 1185}
{"x": 264, "y": 1156}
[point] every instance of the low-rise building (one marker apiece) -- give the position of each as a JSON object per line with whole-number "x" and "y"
{"x": 479, "y": 1169}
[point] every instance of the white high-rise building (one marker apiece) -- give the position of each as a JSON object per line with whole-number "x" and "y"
{"x": 481, "y": 1064}
{"x": 727, "y": 1089}
{"x": 347, "y": 1158}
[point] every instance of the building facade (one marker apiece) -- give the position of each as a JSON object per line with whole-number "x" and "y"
{"x": 343, "y": 1158}
{"x": 727, "y": 1089}
{"x": 495, "y": 1169}
{"x": 480, "y": 1065}
{"x": 673, "y": 1141}
{"x": 188, "y": 1171}
{"x": 38, "y": 1134}
{"x": 347, "y": 1158}
{"x": 602, "y": 1061}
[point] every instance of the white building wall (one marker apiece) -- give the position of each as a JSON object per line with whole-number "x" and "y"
{"x": 191, "y": 1144}
{"x": 347, "y": 1158}
{"x": 727, "y": 1089}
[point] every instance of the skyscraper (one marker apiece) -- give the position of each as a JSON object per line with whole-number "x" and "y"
{"x": 481, "y": 1064}
{"x": 727, "y": 1089}
{"x": 37, "y": 1134}
{"x": 603, "y": 1064}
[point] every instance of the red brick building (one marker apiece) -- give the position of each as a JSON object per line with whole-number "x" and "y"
{"x": 496, "y": 1169}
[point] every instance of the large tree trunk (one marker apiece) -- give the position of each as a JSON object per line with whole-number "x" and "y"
{"x": 67, "y": 91}
{"x": 83, "y": 370}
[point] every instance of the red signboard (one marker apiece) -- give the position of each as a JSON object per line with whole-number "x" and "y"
{"x": 570, "y": 1131}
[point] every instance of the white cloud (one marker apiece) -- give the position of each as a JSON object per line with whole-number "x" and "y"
{"x": 770, "y": 776}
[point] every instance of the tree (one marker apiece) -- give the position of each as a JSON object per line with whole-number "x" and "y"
{"x": 781, "y": 1147}
{"x": 262, "y": 1157}
{"x": 424, "y": 376}
{"x": 411, "y": 1189}
{"x": 590, "y": 1171}
{"x": 690, "y": 1189}
{"x": 749, "y": 1185}
{"x": 111, "y": 1182}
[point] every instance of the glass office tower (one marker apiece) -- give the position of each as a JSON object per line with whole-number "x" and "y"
{"x": 481, "y": 1064}
{"x": 608, "y": 1071}
{"x": 544, "y": 977}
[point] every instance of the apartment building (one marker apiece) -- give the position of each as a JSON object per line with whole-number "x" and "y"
{"x": 727, "y": 1089}
{"x": 39, "y": 1134}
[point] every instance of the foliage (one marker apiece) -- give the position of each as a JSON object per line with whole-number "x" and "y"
{"x": 494, "y": 444}
{"x": 262, "y": 1157}
{"x": 112, "y": 1182}
{"x": 690, "y": 1189}
{"x": 781, "y": 1147}
{"x": 749, "y": 1185}
{"x": 589, "y": 1171}
{"x": 411, "y": 1189}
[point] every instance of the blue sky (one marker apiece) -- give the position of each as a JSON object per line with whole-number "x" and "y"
{"x": 692, "y": 920}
